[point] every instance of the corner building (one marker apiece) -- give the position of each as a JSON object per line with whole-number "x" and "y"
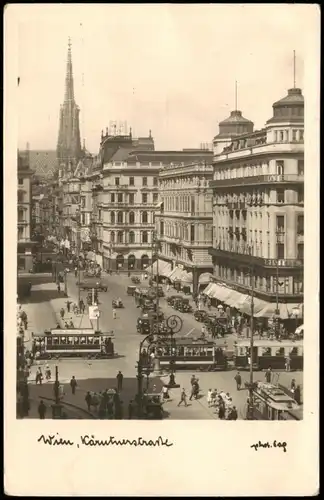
{"x": 184, "y": 224}
{"x": 258, "y": 216}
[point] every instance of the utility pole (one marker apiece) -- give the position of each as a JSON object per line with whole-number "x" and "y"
{"x": 250, "y": 410}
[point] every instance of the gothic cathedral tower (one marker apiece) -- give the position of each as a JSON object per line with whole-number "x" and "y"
{"x": 69, "y": 143}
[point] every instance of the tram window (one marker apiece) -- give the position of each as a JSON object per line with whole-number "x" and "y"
{"x": 63, "y": 341}
{"x": 242, "y": 351}
{"x": 181, "y": 351}
{"x": 266, "y": 351}
{"x": 55, "y": 340}
{"x": 280, "y": 351}
{"x": 82, "y": 340}
{"x": 90, "y": 340}
{"x": 95, "y": 340}
{"x": 49, "y": 341}
{"x": 70, "y": 340}
{"x": 76, "y": 340}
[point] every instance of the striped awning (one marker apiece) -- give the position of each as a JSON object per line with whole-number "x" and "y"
{"x": 258, "y": 306}
{"x": 235, "y": 299}
{"x": 161, "y": 267}
{"x": 175, "y": 274}
{"x": 221, "y": 292}
{"x": 186, "y": 277}
{"x": 285, "y": 310}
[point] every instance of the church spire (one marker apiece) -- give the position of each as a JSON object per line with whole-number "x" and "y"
{"x": 69, "y": 85}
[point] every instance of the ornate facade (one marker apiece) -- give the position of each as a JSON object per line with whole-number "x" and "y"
{"x": 24, "y": 215}
{"x": 258, "y": 198}
{"x": 184, "y": 224}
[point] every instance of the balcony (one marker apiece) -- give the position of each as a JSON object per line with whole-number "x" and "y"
{"x": 240, "y": 205}
{"x": 241, "y": 253}
{"x": 257, "y": 180}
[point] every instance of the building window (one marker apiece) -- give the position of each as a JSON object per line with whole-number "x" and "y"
{"x": 280, "y": 223}
{"x": 298, "y": 285}
{"x": 120, "y": 197}
{"x": 120, "y": 217}
{"x": 300, "y": 225}
{"x": 300, "y": 167}
{"x": 131, "y": 217}
{"x": 144, "y": 237}
{"x": 192, "y": 205}
{"x": 131, "y": 181}
{"x": 131, "y": 199}
{"x": 280, "y": 196}
{"x": 131, "y": 237}
{"x": 20, "y": 234}
{"x": 301, "y": 135}
{"x": 155, "y": 197}
{"x": 116, "y": 181}
{"x": 20, "y": 181}
{"x": 280, "y": 251}
{"x": 20, "y": 215}
{"x": 294, "y": 135}
{"x": 20, "y": 197}
{"x": 161, "y": 228}
{"x": 300, "y": 195}
{"x": 144, "y": 198}
{"x": 112, "y": 197}
{"x": 112, "y": 217}
{"x": 280, "y": 168}
{"x": 192, "y": 233}
{"x": 300, "y": 251}
{"x": 112, "y": 237}
{"x": 144, "y": 218}
{"x": 144, "y": 181}
{"x": 155, "y": 181}
{"x": 120, "y": 237}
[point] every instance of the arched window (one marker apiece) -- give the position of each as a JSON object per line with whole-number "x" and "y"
{"x": 144, "y": 217}
{"x": 144, "y": 237}
{"x": 120, "y": 237}
{"x": 112, "y": 217}
{"x": 120, "y": 217}
{"x": 131, "y": 237}
{"x": 112, "y": 237}
{"x": 131, "y": 217}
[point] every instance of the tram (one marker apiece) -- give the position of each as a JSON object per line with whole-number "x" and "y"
{"x": 267, "y": 353}
{"x": 191, "y": 353}
{"x": 85, "y": 343}
{"x": 272, "y": 403}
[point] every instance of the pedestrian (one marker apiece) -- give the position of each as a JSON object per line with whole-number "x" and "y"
{"x": 73, "y": 384}
{"x": 297, "y": 395}
{"x": 221, "y": 411}
{"x": 39, "y": 376}
{"x": 114, "y": 313}
{"x": 68, "y": 305}
{"x": 130, "y": 409}
{"x": 58, "y": 287}
{"x": 233, "y": 414}
{"x": 183, "y": 397}
{"x": 293, "y": 385}
{"x": 238, "y": 380}
{"x": 88, "y": 400}
{"x": 62, "y": 312}
{"x": 209, "y": 397}
{"x": 268, "y": 375}
{"x": 26, "y": 323}
{"x": 71, "y": 324}
{"x": 287, "y": 364}
{"x": 42, "y": 410}
{"x": 120, "y": 378}
{"x": 75, "y": 271}
{"x": 47, "y": 372}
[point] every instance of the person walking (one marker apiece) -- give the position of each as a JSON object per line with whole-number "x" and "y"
{"x": 268, "y": 375}
{"x": 297, "y": 394}
{"x": 42, "y": 410}
{"x": 62, "y": 312}
{"x": 221, "y": 411}
{"x": 238, "y": 380}
{"x": 76, "y": 272}
{"x": 183, "y": 398}
{"x": 287, "y": 364}
{"x": 130, "y": 409}
{"x": 120, "y": 378}
{"x": 233, "y": 414}
{"x": 68, "y": 305}
{"x": 293, "y": 385}
{"x": 73, "y": 384}
{"x": 88, "y": 400}
{"x": 39, "y": 376}
{"x": 209, "y": 397}
{"x": 114, "y": 313}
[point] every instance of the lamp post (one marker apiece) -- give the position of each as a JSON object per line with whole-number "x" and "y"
{"x": 57, "y": 407}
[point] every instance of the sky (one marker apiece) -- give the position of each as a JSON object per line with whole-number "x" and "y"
{"x": 166, "y": 68}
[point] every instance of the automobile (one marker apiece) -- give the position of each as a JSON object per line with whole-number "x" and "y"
{"x": 135, "y": 279}
{"x": 131, "y": 290}
{"x": 200, "y": 315}
{"x": 143, "y": 325}
{"x": 171, "y": 299}
{"x": 148, "y": 305}
{"x": 183, "y": 305}
{"x": 117, "y": 303}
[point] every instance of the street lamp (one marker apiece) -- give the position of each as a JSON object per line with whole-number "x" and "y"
{"x": 56, "y": 407}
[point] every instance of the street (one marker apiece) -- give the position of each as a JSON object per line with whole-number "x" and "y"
{"x": 98, "y": 375}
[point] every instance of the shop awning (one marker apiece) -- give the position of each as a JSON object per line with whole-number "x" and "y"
{"x": 221, "y": 292}
{"x": 208, "y": 289}
{"x": 175, "y": 274}
{"x": 285, "y": 310}
{"x": 186, "y": 277}
{"x": 205, "y": 278}
{"x": 161, "y": 267}
{"x": 258, "y": 306}
{"x": 235, "y": 299}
